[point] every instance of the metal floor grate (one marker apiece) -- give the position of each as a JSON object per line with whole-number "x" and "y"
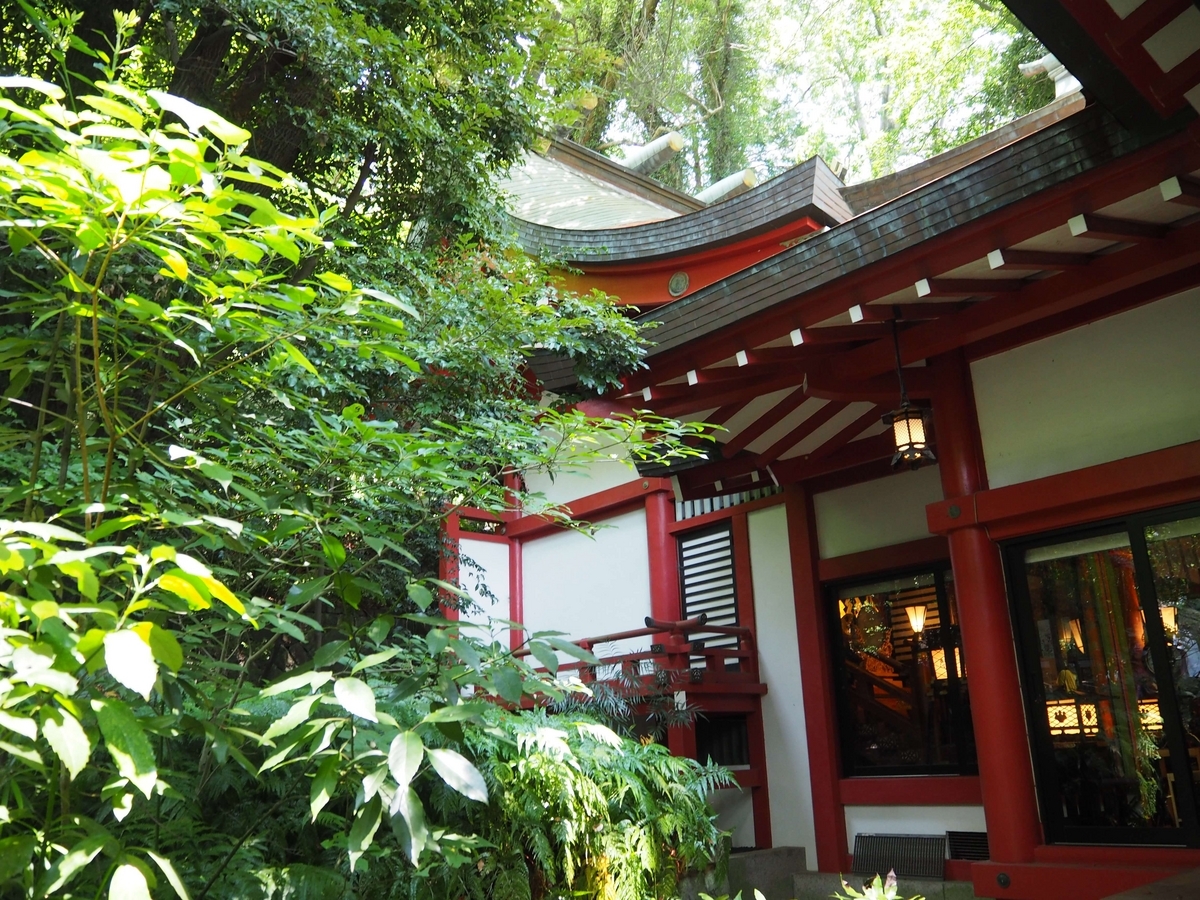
{"x": 968, "y": 844}
{"x": 909, "y": 855}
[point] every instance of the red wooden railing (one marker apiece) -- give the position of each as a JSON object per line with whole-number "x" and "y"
{"x": 676, "y": 655}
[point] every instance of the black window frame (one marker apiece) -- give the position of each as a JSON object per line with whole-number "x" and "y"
{"x": 968, "y": 764}
{"x": 1057, "y": 831}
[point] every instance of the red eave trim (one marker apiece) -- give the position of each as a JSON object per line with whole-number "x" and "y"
{"x": 1124, "y": 486}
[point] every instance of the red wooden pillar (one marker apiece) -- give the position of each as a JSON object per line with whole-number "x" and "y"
{"x": 664, "y": 593}
{"x": 516, "y": 595}
{"x": 816, "y": 678}
{"x": 664, "y": 557}
{"x": 998, "y": 714}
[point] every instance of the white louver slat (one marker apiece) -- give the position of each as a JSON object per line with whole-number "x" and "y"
{"x": 706, "y": 580}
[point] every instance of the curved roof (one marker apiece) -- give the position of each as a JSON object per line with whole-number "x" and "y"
{"x": 809, "y": 189}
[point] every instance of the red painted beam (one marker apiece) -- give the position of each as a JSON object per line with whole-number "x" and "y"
{"x": 1037, "y": 260}
{"x": 1121, "y": 487}
{"x": 1037, "y": 300}
{"x": 1014, "y": 224}
{"x": 928, "y": 550}
{"x": 601, "y": 503}
{"x": 856, "y": 453}
{"x": 928, "y": 790}
{"x": 706, "y": 396}
{"x": 846, "y": 435}
{"x": 1148, "y": 19}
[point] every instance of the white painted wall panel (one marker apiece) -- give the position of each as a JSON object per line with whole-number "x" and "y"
{"x": 735, "y": 812}
{"x": 1125, "y": 385}
{"x": 588, "y": 478}
{"x": 586, "y": 586}
{"x": 792, "y": 823}
{"x": 876, "y": 513}
{"x": 911, "y": 820}
{"x": 491, "y": 557}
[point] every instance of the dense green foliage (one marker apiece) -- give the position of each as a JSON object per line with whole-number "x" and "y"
{"x": 869, "y": 85}
{"x": 229, "y": 435}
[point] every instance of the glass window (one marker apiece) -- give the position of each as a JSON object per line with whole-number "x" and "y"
{"x": 1109, "y": 626}
{"x": 902, "y": 677}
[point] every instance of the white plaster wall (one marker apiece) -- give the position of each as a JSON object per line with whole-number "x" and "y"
{"x": 735, "y": 812}
{"x": 1122, "y": 386}
{"x": 876, "y": 513}
{"x": 586, "y": 586}
{"x": 492, "y": 557}
{"x": 580, "y": 480}
{"x": 788, "y": 779}
{"x": 911, "y": 820}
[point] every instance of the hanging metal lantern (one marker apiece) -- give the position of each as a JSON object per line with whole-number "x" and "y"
{"x": 910, "y": 431}
{"x": 909, "y": 424}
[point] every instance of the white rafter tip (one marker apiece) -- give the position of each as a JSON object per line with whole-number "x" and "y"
{"x": 718, "y": 485}
{"x": 754, "y": 476}
{"x": 693, "y": 377}
{"x": 797, "y": 337}
{"x": 1171, "y": 188}
{"x": 743, "y": 359}
{"x": 646, "y": 395}
{"x": 857, "y": 314}
{"x": 996, "y": 259}
{"x": 1078, "y": 225}
{"x": 923, "y": 288}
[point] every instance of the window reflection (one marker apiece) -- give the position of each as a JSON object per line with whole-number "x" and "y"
{"x": 902, "y": 678}
{"x": 1174, "y": 553}
{"x": 1101, "y": 693}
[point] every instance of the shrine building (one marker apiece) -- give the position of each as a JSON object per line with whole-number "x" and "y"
{"x": 939, "y": 574}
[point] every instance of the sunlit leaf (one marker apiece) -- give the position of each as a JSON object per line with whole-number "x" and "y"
{"x": 128, "y": 883}
{"x": 67, "y": 739}
{"x": 127, "y": 744}
{"x": 404, "y": 758}
{"x": 356, "y": 697}
{"x": 362, "y": 832}
{"x": 458, "y": 772}
{"x": 130, "y": 660}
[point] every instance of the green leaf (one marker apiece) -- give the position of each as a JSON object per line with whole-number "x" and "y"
{"x": 374, "y": 659}
{"x": 509, "y": 683}
{"x": 324, "y": 785}
{"x": 543, "y": 654}
{"x": 458, "y": 772}
{"x": 362, "y": 832}
{"x": 297, "y": 714}
{"x": 181, "y": 585}
{"x": 197, "y": 117}
{"x": 459, "y": 713}
{"x": 128, "y": 883}
{"x": 16, "y": 853}
{"x": 172, "y": 876}
{"x": 70, "y": 863}
{"x": 356, "y": 697}
{"x": 20, "y": 724}
{"x": 165, "y": 648}
{"x": 130, "y": 661}
{"x": 409, "y": 826}
{"x": 404, "y": 758}
{"x": 329, "y": 653}
{"x": 307, "y": 679}
{"x": 335, "y": 553}
{"x": 297, "y": 357}
{"x": 437, "y": 641}
{"x": 420, "y": 595}
{"x": 67, "y": 739}
{"x": 573, "y": 650}
{"x": 127, "y": 744}
{"x": 336, "y": 281}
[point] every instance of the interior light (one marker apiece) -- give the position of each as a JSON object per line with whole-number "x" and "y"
{"x": 916, "y": 617}
{"x": 1169, "y": 619}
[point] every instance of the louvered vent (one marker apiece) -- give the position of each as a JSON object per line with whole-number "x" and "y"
{"x": 968, "y": 844}
{"x": 706, "y": 579}
{"x": 909, "y": 855}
